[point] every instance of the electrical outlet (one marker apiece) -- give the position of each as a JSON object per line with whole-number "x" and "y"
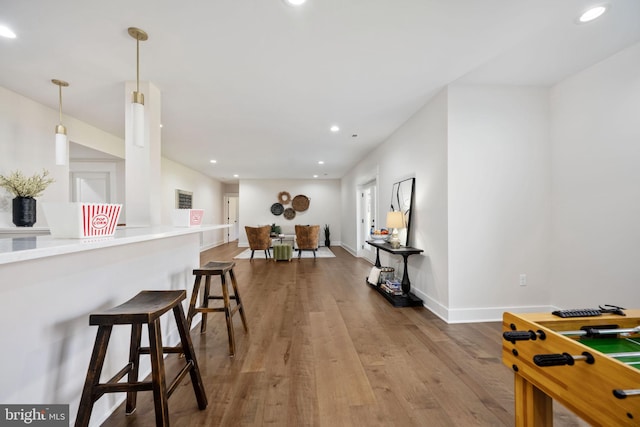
{"x": 523, "y": 280}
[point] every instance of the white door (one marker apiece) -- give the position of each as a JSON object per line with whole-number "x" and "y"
{"x": 91, "y": 187}
{"x": 367, "y": 219}
{"x": 231, "y": 217}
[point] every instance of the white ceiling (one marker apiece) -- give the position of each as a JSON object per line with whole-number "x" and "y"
{"x": 256, "y": 84}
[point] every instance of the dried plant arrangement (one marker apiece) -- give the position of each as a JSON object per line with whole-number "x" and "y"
{"x": 22, "y": 186}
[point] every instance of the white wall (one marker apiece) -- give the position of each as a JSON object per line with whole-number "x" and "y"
{"x": 596, "y": 191}
{"x": 480, "y": 156}
{"x": 520, "y": 180}
{"x": 430, "y": 275}
{"x": 499, "y": 200}
{"x": 207, "y": 195}
{"x": 417, "y": 149}
{"x": 257, "y": 196}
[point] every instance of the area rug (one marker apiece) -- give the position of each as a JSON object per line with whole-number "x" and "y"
{"x": 322, "y": 252}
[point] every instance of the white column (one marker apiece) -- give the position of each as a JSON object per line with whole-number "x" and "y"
{"x": 143, "y": 201}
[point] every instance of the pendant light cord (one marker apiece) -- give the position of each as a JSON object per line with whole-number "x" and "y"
{"x": 137, "y": 64}
{"x": 60, "y": 102}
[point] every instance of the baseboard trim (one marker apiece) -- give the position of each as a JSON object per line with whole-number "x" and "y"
{"x": 211, "y": 246}
{"x": 476, "y": 314}
{"x": 350, "y": 250}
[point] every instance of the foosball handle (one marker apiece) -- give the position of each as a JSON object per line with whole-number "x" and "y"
{"x": 562, "y": 359}
{"x": 553, "y": 359}
{"x": 514, "y": 336}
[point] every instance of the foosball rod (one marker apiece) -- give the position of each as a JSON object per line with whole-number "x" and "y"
{"x": 589, "y": 332}
{"x": 623, "y": 354}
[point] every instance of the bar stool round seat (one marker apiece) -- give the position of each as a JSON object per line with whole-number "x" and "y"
{"x": 145, "y": 308}
{"x": 217, "y": 268}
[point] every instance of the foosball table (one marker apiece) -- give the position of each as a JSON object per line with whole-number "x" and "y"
{"x": 591, "y": 365}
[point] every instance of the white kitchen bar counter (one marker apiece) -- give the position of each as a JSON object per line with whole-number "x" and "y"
{"x": 26, "y": 247}
{"x": 48, "y": 289}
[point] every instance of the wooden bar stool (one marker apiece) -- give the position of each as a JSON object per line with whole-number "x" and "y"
{"x": 146, "y": 307}
{"x": 217, "y": 268}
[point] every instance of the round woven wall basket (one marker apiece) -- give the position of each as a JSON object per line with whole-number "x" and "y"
{"x": 300, "y": 203}
{"x": 289, "y": 213}
{"x": 284, "y": 197}
{"x": 277, "y": 209}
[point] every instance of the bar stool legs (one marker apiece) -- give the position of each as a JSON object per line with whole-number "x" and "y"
{"x": 89, "y": 396}
{"x": 146, "y": 307}
{"x": 217, "y": 269}
{"x": 134, "y": 362}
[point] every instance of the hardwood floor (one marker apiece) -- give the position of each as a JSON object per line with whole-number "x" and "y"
{"x": 323, "y": 349}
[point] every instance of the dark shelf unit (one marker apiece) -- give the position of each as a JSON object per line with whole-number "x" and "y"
{"x": 407, "y": 299}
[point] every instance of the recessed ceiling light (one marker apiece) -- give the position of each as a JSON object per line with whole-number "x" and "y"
{"x": 334, "y": 128}
{"x": 315, "y": 176}
{"x": 320, "y": 162}
{"x": 235, "y": 175}
{"x": 593, "y": 13}
{"x": 213, "y": 161}
{"x": 6, "y": 32}
{"x": 295, "y": 2}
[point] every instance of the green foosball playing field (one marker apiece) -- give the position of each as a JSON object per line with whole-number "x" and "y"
{"x": 625, "y": 350}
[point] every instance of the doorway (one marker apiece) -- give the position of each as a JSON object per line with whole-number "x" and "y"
{"x": 367, "y": 196}
{"x": 91, "y": 187}
{"x": 231, "y": 216}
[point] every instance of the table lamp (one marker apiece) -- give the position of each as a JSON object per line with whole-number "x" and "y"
{"x": 395, "y": 220}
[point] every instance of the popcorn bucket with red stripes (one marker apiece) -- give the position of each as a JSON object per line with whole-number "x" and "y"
{"x": 187, "y": 217}
{"x": 80, "y": 220}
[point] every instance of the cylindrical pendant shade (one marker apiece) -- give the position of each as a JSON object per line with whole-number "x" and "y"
{"x": 137, "y": 115}
{"x": 62, "y": 152}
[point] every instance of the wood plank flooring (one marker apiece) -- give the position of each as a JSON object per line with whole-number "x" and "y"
{"x": 323, "y": 349}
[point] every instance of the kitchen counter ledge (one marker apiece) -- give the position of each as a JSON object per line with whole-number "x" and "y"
{"x": 16, "y": 249}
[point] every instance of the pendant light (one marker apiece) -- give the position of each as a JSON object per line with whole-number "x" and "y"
{"x": 62, "y": 152}
{"x": 137, "y": 100}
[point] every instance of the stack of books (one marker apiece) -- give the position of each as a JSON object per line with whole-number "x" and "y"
{"x": 392, "y": 287}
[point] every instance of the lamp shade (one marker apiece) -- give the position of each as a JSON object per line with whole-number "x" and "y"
{"x": 395, "y": 219}
{"x": 137, "y": 115}
{"x": 62, "y": 152}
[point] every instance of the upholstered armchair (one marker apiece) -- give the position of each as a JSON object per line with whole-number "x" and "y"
{"x": 307, "y": 238}
{"x": 259, "y": 239}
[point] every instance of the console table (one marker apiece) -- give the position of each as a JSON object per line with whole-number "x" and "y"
{"x": 407, "y": 299}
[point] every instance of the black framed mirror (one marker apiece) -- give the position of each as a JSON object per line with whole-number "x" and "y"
{"x": 402, "y": 200}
